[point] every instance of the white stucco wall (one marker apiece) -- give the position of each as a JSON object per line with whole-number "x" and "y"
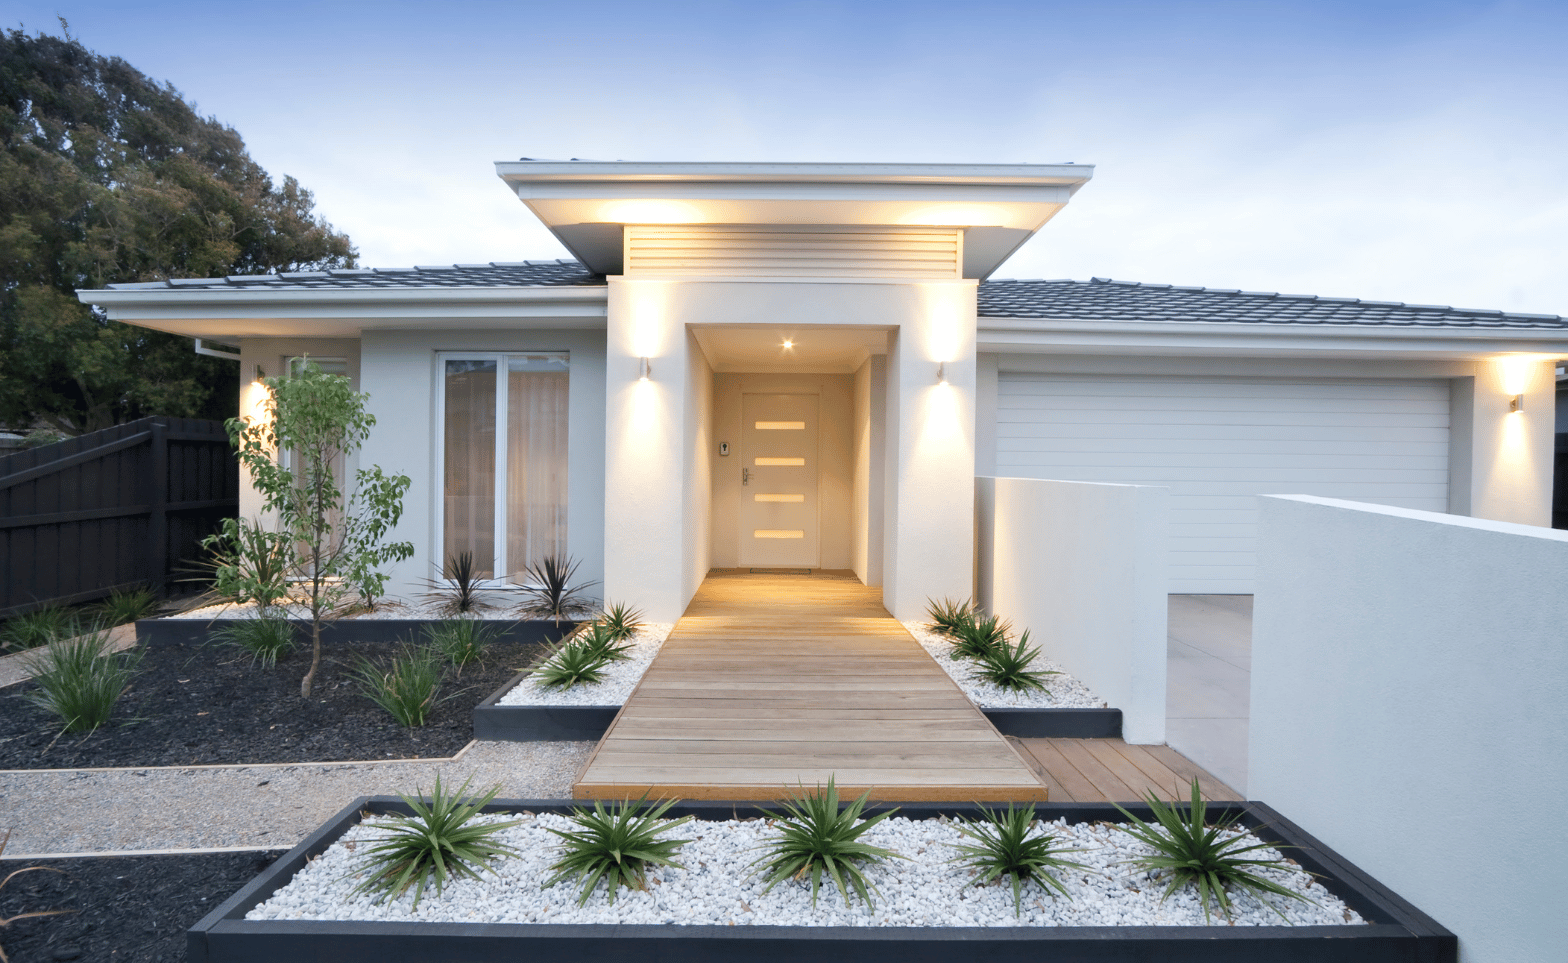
{"x": 1505, "y": 471}
{"x": 400, "y": 371}
{"x": 1410, "y": 708}
{"x": 869, "y": 420}
{"x": 699, "y": 456}
{"x": 1082, "y": 566}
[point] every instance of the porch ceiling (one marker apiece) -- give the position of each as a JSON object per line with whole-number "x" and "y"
{"x": 814, "y": 349}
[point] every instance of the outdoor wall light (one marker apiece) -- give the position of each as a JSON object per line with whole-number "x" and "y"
{"x": 941, "y": 372}
{"x": 261, "y": 374}
{"x": 1516, "y": 403}
{"x": 788, "y": 344}
{"x": 643, "y": 369}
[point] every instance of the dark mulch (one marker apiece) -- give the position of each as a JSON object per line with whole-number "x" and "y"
{"x": 129, "y": 909}
{"x": 199, "y": 704}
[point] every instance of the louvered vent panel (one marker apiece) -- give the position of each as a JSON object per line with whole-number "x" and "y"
{"x": 913, "y": 253}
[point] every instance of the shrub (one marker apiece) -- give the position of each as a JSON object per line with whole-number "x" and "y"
{"x": 817, "y": 836}
{"x": 126, "y": 605}
{"x": 616, "y": 845}
{"x": 947, "y": 615}
{"x": 601, "y": 640}
{"x": 407, "y": 688}
{"x": 621, "y": 620}
{"x": 79, "y": 680}
{"x": 459, "y": 590}
{"x": 548, "y": 591}
{"x": 1207, "y": 857}
{"x": 459, "y": 641}
{"x": 248, "y": 563}
{"x": 38, "y": 628}
{"x": 1003, "y": 846}
{"x": 572, "y": 664}
{"x": 438, "y": 840}
{"x": 267, "y": 639}
{"x": 1007, "y": 666}
{"x": 976, "y": 638}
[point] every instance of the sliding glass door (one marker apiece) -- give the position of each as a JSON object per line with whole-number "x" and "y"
{"x": 503, "y": 423}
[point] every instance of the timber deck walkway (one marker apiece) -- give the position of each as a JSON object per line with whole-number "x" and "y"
{"x": 770, "y": 682}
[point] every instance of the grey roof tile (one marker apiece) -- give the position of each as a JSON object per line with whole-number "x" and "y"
{"x": 496, "y": 274}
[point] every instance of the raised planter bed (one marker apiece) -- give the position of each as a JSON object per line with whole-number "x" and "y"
{"x": 538, "y": 723}
{"x": 163, "y": 631}
{"x": 1394, "y": 930}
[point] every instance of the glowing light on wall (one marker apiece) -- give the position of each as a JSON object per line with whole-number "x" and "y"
{"x": 649, "y": 211}
{"x": 957, "y": 215}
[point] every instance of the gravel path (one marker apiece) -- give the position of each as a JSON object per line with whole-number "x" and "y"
{"x": 80, "y": 811}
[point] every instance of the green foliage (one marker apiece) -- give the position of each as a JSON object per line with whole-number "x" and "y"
{"x": 1006, "y": 665}
{"x": 267, "y": 639}
{"x": 621, "y": 620}
{"x": 37, "y": 628}
{"x": 1005, "y": 844}
{"x": 439, "y": 840}
{"x": 1207, "y": 857}
{"x": 601, "y": 640}
{"x": 549, "y": 592}
{"x": 337, "y": 542}
{"x": 816, "y": 836}
{"x": 459, "y": 641}
{"x": 574, "y": 663}
{"x": 249, "y": 563}
{"x": 406, "y": 687}
{"x": 126, "y": 605}
{"x": 107, "y": 177}
{"x": 79, "y": 679}
{"x": 616, "y": 845}
{"x": 948, "y": 615}
{"x": 977, "y": 638}
{"x": 458, "y": 591}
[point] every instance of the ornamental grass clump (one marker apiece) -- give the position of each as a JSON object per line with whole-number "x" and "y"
{"x": 550, "y": 593}
{"x": 616, "y": 845}
{"x": 126, "y": 605}
{"x": 459, "y": 641}
{"x": 621, "y": 620}
{"x": 947, "y": 616}
{"x": 407, "y": 687}
{"x": 573, "y": 664}
{"x": 817, "y": 837}
{"x": 459, "y": 590}
{"x": 267, "y": 639}
{"x": 38, "y": 628}
{"x": 79, "y": 679}
{"x": 1006, "y": 845}
{"x": 1210, "y": 858}
{"x": 439, "y": 840}
{"x": 1006, "y": 666}
{"x": 977, "y": 638}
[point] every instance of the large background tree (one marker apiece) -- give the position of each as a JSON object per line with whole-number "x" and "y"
{"x": 108, "y": 176}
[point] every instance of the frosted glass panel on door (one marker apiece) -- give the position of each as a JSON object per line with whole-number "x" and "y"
{"x": 469, "y": 470}
{"x": 536, "y": 462}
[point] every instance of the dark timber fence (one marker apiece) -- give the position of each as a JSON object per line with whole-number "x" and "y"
{"x": 111, "y": 509}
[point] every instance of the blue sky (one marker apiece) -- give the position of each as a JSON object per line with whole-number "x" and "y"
{"x": 1398, "y": 151}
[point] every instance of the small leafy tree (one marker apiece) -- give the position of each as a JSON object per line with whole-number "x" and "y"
{"x": 336, "y": 542}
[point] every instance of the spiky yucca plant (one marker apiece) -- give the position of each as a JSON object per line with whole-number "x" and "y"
{"x": 574, "y": 663}
{"x": 947, "y": 615}
{"x": 616, "y": 845}
{"x": 550, "y": 593}
{"x": 816, "y": 837}
{"x": 1210, "y": 858}
{"x": 1006, "y": 846}
{"x": 978, "y": 637}
{"x": 1007, "y": 666}
{"x": 602, "y": 641}
{"x": 439, "y": 840}
{"x": 621, "y": 620}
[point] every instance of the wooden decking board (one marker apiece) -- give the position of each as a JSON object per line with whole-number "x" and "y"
{"x": 772, "y": 682}
{"x": 1075, "y": 771}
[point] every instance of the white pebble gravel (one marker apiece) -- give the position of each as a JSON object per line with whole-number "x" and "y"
{"x": 716, "y": 888}
{"x": 1062, "y": 691}
{"x": 620, "y": 678}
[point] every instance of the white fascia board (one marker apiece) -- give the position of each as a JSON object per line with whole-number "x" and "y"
{"x": 369, "y": 307}
{"x": 667, "y": 172}
{"x": 1259, "y": 339}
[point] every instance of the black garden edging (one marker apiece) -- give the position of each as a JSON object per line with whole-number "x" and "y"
{"x": 162, "y": 631}
{"x": 1397, "y": 932}
{"x": 493, "y": 721}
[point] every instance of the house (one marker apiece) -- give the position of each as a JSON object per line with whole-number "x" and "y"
{"x": 807, "y": 365}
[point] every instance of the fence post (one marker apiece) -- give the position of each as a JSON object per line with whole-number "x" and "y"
{"x": 158, "y": 523}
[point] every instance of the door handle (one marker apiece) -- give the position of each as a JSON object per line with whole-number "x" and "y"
{"x": 745, "y": 476}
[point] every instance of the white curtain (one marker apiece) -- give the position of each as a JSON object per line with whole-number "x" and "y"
{"x": 469, "y": 488}
{"x": 535, "y": 461}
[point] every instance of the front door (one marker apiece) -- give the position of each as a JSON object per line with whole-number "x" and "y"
{"x": 778, "y": 502}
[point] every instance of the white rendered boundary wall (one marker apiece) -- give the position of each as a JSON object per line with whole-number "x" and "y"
{"x": 1082, "y": 566}
{"x": 1410, "y": 708}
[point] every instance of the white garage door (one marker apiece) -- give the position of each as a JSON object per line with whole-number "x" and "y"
{"x": 1217, "y": 443}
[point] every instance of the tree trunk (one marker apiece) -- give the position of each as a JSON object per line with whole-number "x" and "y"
{"x": 315, "y": 658}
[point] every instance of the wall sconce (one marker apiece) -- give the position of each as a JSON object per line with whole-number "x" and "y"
{"x": 941, "y": 372}
{"x": 643, "y": 369}
{"x": 1516, "y": 403}
{"x": 261, "y": 374}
